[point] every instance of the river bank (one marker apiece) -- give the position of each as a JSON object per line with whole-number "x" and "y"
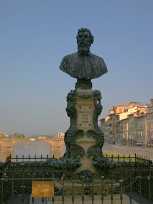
{"x": 145, "y": 152}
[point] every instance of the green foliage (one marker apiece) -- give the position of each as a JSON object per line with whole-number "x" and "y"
{"x": 103, "y": 163}
{"x": 18, "y": 135}
{"x": 64, "y": 163}
{"x": 3, "y": 136}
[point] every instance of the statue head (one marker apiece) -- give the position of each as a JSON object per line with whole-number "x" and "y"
{"x": 84, "y": 40}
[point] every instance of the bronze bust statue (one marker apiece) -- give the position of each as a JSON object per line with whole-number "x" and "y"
{"x": 83, "y": 65}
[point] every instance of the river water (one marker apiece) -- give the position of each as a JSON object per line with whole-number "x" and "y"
{"x": 32, "y": 149}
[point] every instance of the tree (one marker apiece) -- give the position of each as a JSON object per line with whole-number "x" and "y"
{"x": 18, "y": 135}
{"x": 3, "y": 136}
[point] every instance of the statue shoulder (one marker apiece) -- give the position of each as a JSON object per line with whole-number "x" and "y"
{"x": 70, "y": 56}
{"x": 100, "y": 62}
{"x": 96, "y": 57}
{"x": 67, "y": 61}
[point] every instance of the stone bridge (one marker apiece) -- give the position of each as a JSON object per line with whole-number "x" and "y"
{"x": 56, "y": 145}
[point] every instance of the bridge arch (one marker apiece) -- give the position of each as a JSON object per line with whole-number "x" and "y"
{"x": 56, "y": 144}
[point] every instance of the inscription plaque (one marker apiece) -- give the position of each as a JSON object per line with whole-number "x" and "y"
{"x": 85, "y": 114}
{"x": 42, "y": 189}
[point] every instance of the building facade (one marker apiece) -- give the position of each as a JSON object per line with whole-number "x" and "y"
{"x": 150, "y": 123}
{"x": 130, "y": 124}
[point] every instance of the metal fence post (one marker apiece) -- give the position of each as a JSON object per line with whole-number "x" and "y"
{"x": 111, "y": 191}
{"x": 12, "y": 185}
{"x": 92, "y": 196}
{"x": 121, "y": 186}
{"x": 2, "y": 189}
{"x": 149, "y": 187}
{"x": 130, "y": 187}
{"x": 62, "y": 189}
{"x": 140, "y": 193}
{"x": 82, "y": 189}
{"x": 23, "y": 186}
{"x": 72, "y": 192}
{"x": 102, "y": 189}
{"x": 53, "y": 178}
{"x": 33, "y": 178}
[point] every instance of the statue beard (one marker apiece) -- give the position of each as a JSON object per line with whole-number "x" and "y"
{"x": 83, "y": 48}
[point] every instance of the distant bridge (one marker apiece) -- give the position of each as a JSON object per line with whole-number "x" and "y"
{"x": 56, "y": 145}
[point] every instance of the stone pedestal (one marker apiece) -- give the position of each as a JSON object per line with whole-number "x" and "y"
{"x": 84, "y": 140}
{"x": 85, "y": 110}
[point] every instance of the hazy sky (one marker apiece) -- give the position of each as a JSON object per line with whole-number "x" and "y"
{"x": 36, "y": 34}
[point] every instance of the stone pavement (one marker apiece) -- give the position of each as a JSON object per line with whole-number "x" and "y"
{"x": 87, "y": 200}
{"x": 17, "y": 199}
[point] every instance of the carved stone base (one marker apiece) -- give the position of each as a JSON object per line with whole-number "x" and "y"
{"x": 86, "y": 188}
{"x": 86, "y": 162}
{"x": 84, "y": 139}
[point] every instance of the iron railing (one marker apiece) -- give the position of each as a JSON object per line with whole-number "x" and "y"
{"x": 133, "y": 178}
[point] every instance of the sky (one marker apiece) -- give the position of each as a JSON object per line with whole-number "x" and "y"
{"x": 36, "y": 34}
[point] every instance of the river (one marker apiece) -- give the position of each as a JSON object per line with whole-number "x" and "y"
{"x": 32, "y": 149}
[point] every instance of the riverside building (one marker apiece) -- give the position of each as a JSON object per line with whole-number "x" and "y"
{"x": 130, "y": 124}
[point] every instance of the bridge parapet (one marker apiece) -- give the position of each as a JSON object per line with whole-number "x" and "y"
{"x": 6, "y": 147}
{"x": 56, "y": 145}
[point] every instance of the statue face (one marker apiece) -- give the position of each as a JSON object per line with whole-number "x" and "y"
{"x": 84, "y": 42}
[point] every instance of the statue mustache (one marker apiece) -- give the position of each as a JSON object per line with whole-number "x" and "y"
{"x": 83, "y": 44}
